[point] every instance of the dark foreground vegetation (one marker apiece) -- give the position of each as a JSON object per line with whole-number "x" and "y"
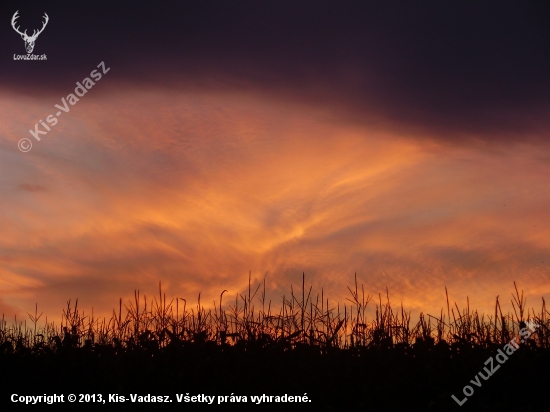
{"x": 334, "y": 353}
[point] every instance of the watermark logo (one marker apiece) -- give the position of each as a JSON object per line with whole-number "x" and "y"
{"x": 29, "y": 40}
{"x": 501, "y": 357}
{"x": 81, "y": 89}
{"x": 24, "y": 145}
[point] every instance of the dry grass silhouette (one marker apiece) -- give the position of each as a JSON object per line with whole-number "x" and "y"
{"x": 336, "y": 352}
{"x": 300, "y": 320}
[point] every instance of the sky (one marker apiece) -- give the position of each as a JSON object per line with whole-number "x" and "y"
{"x": 405, "y": 143}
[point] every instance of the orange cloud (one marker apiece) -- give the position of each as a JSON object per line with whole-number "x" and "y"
{"x": 197, "y": 189}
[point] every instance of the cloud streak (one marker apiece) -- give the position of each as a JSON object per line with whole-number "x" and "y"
{"x": 195, "y": 189}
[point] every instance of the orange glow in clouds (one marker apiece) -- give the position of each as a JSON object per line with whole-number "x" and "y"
{"x": 195, "y": 190}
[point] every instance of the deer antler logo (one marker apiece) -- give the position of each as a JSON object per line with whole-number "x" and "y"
{"x": 29, "y": 40}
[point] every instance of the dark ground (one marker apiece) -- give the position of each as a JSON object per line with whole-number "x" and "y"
{"x": 418, "y": 378}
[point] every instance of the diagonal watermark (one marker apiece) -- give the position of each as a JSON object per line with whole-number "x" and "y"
{"x": 525, "y": 332}
{"x": 41, "y": 128}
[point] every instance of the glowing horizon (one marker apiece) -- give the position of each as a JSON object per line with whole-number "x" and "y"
{"x": 196, "y": 189}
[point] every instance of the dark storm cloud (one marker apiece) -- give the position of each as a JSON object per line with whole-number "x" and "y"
{"x": 449, "y": 68}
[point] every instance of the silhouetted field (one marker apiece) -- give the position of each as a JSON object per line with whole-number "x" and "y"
{"x": 333, "y": 353}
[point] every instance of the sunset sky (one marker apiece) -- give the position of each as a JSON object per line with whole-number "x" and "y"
{"x": 407, "y": 143}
